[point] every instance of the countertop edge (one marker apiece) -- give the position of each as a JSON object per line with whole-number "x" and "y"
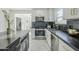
{"x": 74, "y": 48}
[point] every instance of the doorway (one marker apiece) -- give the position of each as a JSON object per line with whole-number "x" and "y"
{"x": 18, "y": 24}
{"x": 23, "y": 21}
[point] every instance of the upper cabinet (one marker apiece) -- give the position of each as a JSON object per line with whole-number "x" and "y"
{"x": 61, "y": 15}
{"x": 70, "y": 13}
{"x": 40, "y": 12}
{"x": 50, "y": 15}
{"x": 47, "y": 13}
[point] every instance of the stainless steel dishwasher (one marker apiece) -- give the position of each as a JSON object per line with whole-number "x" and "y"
{"x": 54, "y": 43}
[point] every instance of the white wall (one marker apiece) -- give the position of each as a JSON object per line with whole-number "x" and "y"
{"x": 3, "y": 23}
{"x": 26, "y": 22}
{"x": 13, "y": 12}
{"x": 35, "y": 12}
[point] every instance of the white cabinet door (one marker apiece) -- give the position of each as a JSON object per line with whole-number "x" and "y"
{"x": 53, "y": 43}
{"x": 66, "y": 13}
{"x": 56, "y": 44}
{"x": 70, "y": 13}
{"x": 50, "y": 15}
{"x": 33, "y": 33}
{"x": 48, "y": 37}
{"x": 64, "y": 47}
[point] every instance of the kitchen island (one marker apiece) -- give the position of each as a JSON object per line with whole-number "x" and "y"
{"x": 19, "y": 38}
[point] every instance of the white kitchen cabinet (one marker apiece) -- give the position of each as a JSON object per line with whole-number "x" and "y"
{"x": 55, "y": 43}
{"x": 59, "y": 45}
{"x": 48, "y": 37}
{"x": 64, "y": 47}
{"x": 70, "y": 13}
{"x": 61, "y": 14}
{"x": 52, "y": 42}
{"x": 33, "y": 33}
{"x": 50, "y": 15}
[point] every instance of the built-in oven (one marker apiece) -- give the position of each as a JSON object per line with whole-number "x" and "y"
{"x": 39, "y": 32}
{"x": 39, "y": 26}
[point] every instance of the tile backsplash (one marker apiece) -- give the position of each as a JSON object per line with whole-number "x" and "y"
{"x": 75, "y": 23}
{"x": 39, "y": 24}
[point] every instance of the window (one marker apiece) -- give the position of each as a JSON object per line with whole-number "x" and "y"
{"x": 60, "y": 11}
{"x": 59, "y": 14}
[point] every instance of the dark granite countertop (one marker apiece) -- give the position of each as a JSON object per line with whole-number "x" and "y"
{"x": 3, "y": 38}
{"x": 69, "y": 40}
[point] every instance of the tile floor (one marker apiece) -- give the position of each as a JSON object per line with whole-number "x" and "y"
{"x": 38, "y": 45}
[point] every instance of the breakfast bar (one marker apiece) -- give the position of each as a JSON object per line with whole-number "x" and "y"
{"x": 20, "y": 37}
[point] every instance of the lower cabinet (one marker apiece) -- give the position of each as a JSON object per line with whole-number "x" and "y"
{"x": 52, "y": 41}
{"x": 33, "y": 32}
{"x": 64, "y": 47}
{"x": 56, "y": 44}
{"x": 48, "y": 37}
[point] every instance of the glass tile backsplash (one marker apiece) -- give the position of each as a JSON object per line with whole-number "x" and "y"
{"x": 74, "y": 23}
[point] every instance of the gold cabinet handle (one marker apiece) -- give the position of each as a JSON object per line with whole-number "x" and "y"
{"x": 73, "y": 11}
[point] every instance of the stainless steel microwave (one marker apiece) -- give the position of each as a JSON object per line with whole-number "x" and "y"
{"x": 39, "y": 18}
